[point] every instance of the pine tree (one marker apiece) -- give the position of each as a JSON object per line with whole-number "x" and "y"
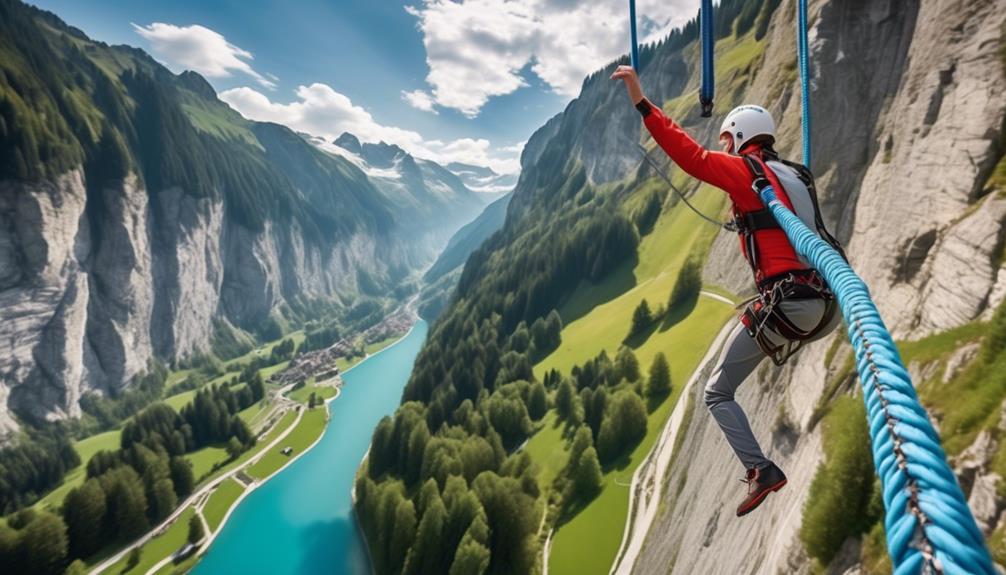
{"x": 44, "y": 544}
{"x": 564, "y": 399}
{"x": 127, "y": 504}
{"x": 83, "y": 513}
{"x": 581, "y": 441}
{"x": 626, "y": 364}
{"x": 688, "y": 284}
{"x": 659, "y": 384}
{"x": 403, "y": 534}
{"x": 642, "y": 317}
{"x": 623, "y": 427}
{"x": 162, "y": 500}
{"x": 587, "y": 477}
{"x": 182, "y": 476}
{"x": 426, "y": 553}
{"x": 234, "y": 448}
{"x": 537, "y": 403}
{"x": 133, "y": 559}
{"x": 196, "y": 531}
{"x": 472, "y": 554}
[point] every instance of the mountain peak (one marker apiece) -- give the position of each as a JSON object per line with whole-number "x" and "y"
{"x": 480, "y": 171}
{"x": 195, "y": 82}
{"x": 349, "y": 142}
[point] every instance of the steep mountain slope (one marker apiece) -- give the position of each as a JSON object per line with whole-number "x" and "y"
{"x": 901, "y": 89}
{"x": 468, "y": 238}
{"x": 140, "y": 217}
{"x": 443, "y": 275}
{"x": 423, "y": 194}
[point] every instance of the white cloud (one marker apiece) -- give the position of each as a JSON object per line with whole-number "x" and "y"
{"x": 321, "y": 111}
{"x": 477, "y": 49}
{"x": 202, "y": 50}
{"x": 419, "y": 99}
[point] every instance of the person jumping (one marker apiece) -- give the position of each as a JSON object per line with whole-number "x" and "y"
{"x": 794, "y": 304}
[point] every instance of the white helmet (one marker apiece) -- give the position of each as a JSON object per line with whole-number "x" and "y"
{"x": 745, "y": 122}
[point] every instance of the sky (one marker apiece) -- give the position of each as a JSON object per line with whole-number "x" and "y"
{"x": 447, "y": 80}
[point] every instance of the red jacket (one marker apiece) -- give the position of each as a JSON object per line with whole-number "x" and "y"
{"x": 729, "y": 173}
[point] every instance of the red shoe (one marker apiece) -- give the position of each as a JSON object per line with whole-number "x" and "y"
{"x": 760, "y": 482}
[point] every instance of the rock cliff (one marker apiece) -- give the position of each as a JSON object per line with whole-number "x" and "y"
{"x": 908, "y": 126}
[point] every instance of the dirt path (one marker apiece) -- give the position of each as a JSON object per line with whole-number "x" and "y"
{"x": 647, "y": 481}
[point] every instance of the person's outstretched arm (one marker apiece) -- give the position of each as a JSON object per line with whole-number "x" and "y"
{"x": 712, "y": 167}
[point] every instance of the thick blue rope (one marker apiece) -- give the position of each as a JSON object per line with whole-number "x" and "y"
{"x": 928, "y": 522}
{"x": 634, "y": 53}
{"x": 706, "y": 92}
{"x": 804, "y": 61}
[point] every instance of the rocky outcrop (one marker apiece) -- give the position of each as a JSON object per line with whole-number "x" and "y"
{"x": 908, "y": 124}
{"x": 43, "y": 239}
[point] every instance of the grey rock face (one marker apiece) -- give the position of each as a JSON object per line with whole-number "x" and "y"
{"x": 43, "y": 239}
{"x": 93, "y": 288}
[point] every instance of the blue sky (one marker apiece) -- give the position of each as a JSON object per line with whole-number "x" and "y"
{"x": 467, "y": 81}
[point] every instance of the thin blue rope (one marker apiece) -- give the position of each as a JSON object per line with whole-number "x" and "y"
{"x": 928, "y": 522}
{"x": 634, "y": 53}
{"x": 804, "y": 61}
{"x": 707, "y": 91}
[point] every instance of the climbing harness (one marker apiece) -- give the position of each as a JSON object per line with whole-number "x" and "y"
{"x": 764, "y": 314}
{"x": 706, "y": 92}
{"x": 764, "y": 311}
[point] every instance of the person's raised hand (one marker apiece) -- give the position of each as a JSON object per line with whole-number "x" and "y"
{"x": 627, "y": 74}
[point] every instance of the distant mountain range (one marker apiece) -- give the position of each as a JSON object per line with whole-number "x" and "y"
{"x": 143, "y": 219}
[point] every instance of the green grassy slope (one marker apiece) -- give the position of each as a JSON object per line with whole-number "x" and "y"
{"x": 220, "y": 501}
{"x": 311, "y": 426}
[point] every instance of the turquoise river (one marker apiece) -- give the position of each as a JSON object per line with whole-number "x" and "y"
{"x": 301, "y": 521}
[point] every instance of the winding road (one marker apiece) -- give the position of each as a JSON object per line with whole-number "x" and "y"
{"x": 197, "y": 494}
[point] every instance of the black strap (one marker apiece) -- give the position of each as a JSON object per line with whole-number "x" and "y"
{"x": 808, "y": 180}
{"x": 760, "y": 220}
{"x": 644, "y": 107}
{"x": 760, "y": 180}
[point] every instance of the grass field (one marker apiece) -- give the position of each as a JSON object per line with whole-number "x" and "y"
{"x": 588, "y": 543}
{"x": 598, "y": 317}
{"x": 254, "y": 413}
{"x": 280, "y": 426}
{"x": 303, "y": 394}
{"x": 548, "y": 449}
{"x": 344, "y": 364}
{"x": 157, "y": 548}
{"x": 220, "y": 501}
{"x": 204, "y": 459}
{"x": 307, "y": 431}
{"x": 602, "y": 322}
{"x": 85, "y": 448}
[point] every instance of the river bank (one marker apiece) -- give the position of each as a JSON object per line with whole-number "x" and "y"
{"x": 302, "y": 518}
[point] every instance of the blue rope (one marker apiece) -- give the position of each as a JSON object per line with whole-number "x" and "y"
{"x": 802, "y": 50}
{"x": 928, "y": 522}
{"x": 706, "y": 92}
{"x": 634, "y": 54}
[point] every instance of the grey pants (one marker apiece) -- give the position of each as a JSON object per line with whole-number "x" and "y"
{"x": 741, "y": 356}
